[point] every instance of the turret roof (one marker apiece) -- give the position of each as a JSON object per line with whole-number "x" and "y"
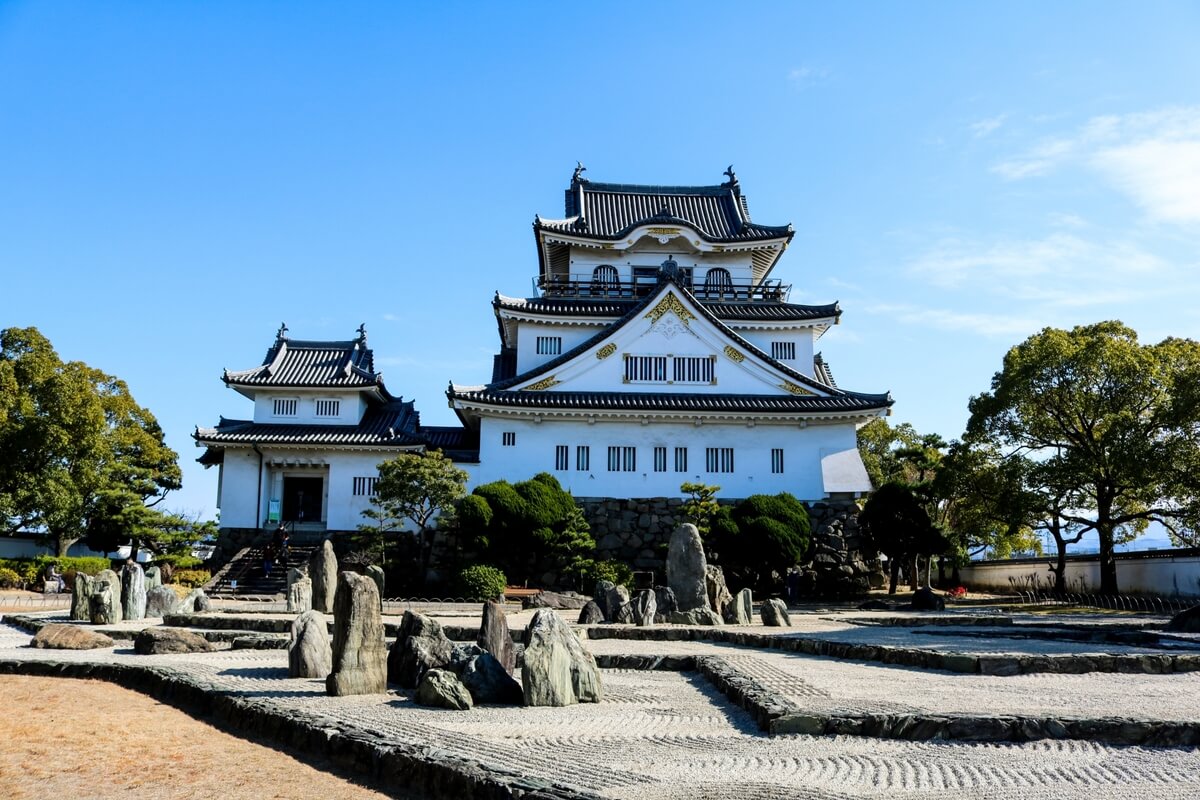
{"x": 305, "y": 363}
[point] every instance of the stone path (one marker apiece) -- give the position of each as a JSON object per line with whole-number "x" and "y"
{"x": 671, "y": 735}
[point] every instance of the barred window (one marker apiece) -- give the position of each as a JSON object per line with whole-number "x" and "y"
{"x": 285, "y": 406}
{"x": 562, "y": 457}
{"x": 508, "y": 438}
{"x": 783, "y": 351}
{"x": 549, "y": 345}
{"x": 622, "y": 459}
{"x": 693, "y": 369}
{"x": 660, "y": 459}
{"x": 777, "y": 460}
{"x": 681, "y": 459}
{"x": 645, "y": 369}
{"x": 718, "y": 459}
{"x": 583, "y": 458}
{"x": 364, "y": 487}
{"x": 329, "y": 408}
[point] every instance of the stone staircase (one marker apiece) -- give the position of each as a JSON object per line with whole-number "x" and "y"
{"x": 243, "y": 575}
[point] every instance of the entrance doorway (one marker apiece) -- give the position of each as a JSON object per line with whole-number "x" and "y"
{"x": 302, "y": 499}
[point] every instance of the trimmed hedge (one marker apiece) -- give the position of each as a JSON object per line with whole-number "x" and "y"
{"x": 30, "y": 571}
{"x": 191, "y": 577}
{"x": 481, "y": 582}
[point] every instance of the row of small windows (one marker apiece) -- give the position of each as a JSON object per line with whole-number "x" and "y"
{"x": 716, "y": 279}
{"x": 670, "y": 369}
{"x": 623, "y": 458}
{"x": 290, "y": 406}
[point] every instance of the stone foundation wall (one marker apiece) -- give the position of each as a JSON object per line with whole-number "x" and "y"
{"x": 840, "y": 567}
{"x": 635, "y": 531}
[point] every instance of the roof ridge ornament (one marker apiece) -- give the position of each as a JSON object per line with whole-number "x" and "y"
{"x": 577, "y": 176}
{"x": 733, "y": 181}
{"x": 281, "y": 334}
{"x": 362, "y": 333}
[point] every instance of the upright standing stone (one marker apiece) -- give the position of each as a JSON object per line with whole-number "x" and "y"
{"x": 775, "y": 614}
{"x": 323, "y": 570}
{"x": 196, "y": 602}
{"x": 104, "y": 604}
{"x": 299, "y": 597}
{"x": 309, "y": 652}
{"x": 645, "y": 606}
{"x": 740, "y": 610}
{"x": 666, "y": 603}
{"x": 160, "y": 601}
{"x": 80, "y": 595}
{"x": 556, "y": 669}
{"x": 133, "y": 592}
{"x": 376, "y": 574}
{"x": 714, "y": 584}
{"x": 686, "y": 568}
{"x": 600, "y": 596}
{"x": 494, "y": 636}
{"x": 153, "y": 578}
{"x": 359, "y": 652}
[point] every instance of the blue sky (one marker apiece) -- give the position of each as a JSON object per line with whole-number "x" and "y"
{"x": 179, "y": 178}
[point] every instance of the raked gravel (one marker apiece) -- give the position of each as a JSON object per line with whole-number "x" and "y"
{"x": 671, "y": 735}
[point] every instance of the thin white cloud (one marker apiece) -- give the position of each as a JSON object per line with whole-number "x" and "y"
{"x": 986, "y": 127}
{"x": 983, "y": 324}
{"x": 1152, "y": 157}
{"x": 803, "y": 77}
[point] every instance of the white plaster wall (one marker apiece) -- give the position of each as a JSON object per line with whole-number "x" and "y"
{"x": 238, "y": 490}
{"x": 528, "y": 332}
{"x": 535, "y": 450}
{"x": 1176, "y": 576}
{"x": 803, "y": 337}
{"x": 350, "y": 413}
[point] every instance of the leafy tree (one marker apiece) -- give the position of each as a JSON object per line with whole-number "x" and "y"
{"x": 899, "y": 526}
{"x": 527, "y": 528}
{"x": 880, "y": 446}
{"x": 762, "y": 537}
{"x": 414, "y": 488}
{"x": 701, "y": 506}
{"x": 1112, "y": 424}
{"x": 77, "y": 453}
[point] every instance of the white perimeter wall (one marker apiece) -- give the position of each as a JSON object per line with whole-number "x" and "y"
{"x": 535, "y": 450}
{"x": 1174, "y": 575}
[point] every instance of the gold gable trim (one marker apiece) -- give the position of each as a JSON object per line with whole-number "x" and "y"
{"x": 544, "y": 383}
{"x": 671, "y": 304}
{"x": 734, "y": 354}
{"x": 606, "y": 351}
{"x": 794, "y": 389}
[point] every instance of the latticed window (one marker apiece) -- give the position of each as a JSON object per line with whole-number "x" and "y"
{"x": 660, "y": 459}
{"x": 549, "y": 345}
{"x": 692, "y": 369}
{"x": 783, "y": 351}
{"x": 777, "y": 460}
{"x": 286, "y": 406}
{"x": 718, "y": 281}
{"x": 329, "y": 408}
{"x": 583, "y": 458}
{"x": 622, "y": 459}
{"x": 364, "y": 486}
{"x": 508, "y": 438}
{"x": 605, "y": 279}
{"x": 646, "y": 369}
{"x": 562, "y": 457}
{"x": 718, "y": 459}
{"x": 681, "y": 459}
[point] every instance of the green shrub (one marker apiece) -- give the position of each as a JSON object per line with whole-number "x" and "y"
{"x": 30, "y": 571}
{"x": 9, "y": 579}
{"x": 179, "y": 561}
{"x": 764, "y": 534}
{"x": 481, "y": 582}
{"x": 192, "y": 577}
{"x": 589, "y": 571}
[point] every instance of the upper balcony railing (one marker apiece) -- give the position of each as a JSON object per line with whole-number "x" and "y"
{"x": 586, "y": 286}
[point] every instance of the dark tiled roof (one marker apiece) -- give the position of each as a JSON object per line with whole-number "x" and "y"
{"x": 646, "y": 401}
{"x": 504, "y": 364}
{"x": 392, "y": 425}
{"x": 613, "y": 308}
{"x": 298, "y": 363}
{"x": 610, "y": 210}
{"x": 822, "y": 371}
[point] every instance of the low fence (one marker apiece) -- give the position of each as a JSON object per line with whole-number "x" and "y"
{"x": 1165, "y": 573}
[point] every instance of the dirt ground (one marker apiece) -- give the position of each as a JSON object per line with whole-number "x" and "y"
{"x": 94, "y": 740}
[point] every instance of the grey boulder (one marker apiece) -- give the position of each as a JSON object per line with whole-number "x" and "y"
{"x": 299, "y": 595}
{"x": 686, "y": 568}
{"x": 323, "y": 570}
{"x": 740, "y": 608}
{"x": 714, "y": 585}
{"x": 774, "y": 613}
{"x": 359, "y": 650}
{"x": 645, "y": 607}
{"x": 441, "y": 688}
{"x": 153, "y": 578}
{"x": 310, "y": 654}
{"x": 557, "y": 670}
{"x": 196, "y": 602}
{"x": 591, "y": 614}
{"x": 563, "y": 600}
{"x": 1186, "y": 621}
{"x": 133, "y": 592}
{"x": 697, "y": 616}
{"x": 494, "y": 635}
{"x": 57, "y": 636}
{"x": 420, "y": 646}
{"x": 489, "y": 682}
{"x": 81, "y": 592}
{"x": 158, "y": 641}
{"x": 926, "y": 599}
{"x": 104, "y": 603}
{"x": 376, "y": 574}
{"x": 160, "y": 601}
